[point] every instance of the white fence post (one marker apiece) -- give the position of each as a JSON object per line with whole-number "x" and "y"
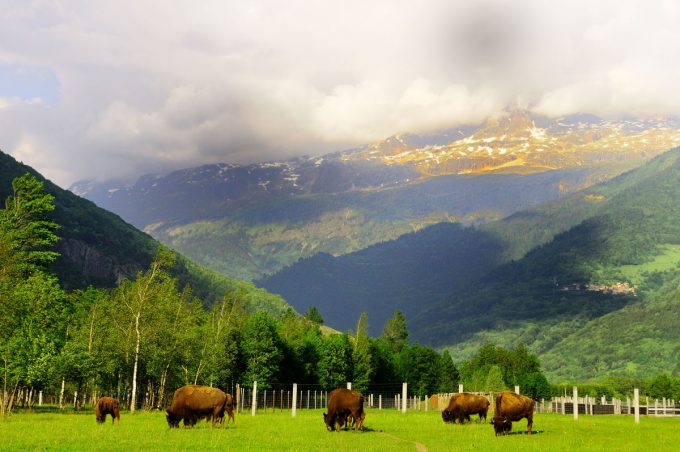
{"x": 404, "y": 399}
{"x": 294, "y": 399}
{"x": 349, "y": 385}
{"x": 380, "y": 401}
{"x": 427, "y": 402}
{"x": 575, "y": 403}
{"x": 238, "y": 396}
{"x": 460, "y": 388}
{"x": 40, "y": 398}
{"x": 516, "y": 389}
{"x": 253, "y": 408}
{"x": 636, "y": 402}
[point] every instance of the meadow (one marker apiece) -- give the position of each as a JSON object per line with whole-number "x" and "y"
{"x": 386, "y": 430}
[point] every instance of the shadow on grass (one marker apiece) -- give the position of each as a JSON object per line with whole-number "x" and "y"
{"x": 534, "y": 432}
{"x": 364, "y": 430}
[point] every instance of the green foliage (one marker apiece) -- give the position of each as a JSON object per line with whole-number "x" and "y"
{"x": 663, "y": 386}
{"x": 448, "y": 373}
{"x": 383, "y": 362}
{"x": 535, "y": 385}
{"x": 262, "y": 349}
{"x": 361, "y": 356}
{"x": 494, "y": 368}
{"x": 221, "y": 335}
{"x": 313, "y": 315}
{"x": 335, "y": 364}
{"x": 24, "y": 226}
{"x": 494, "y": 380}
{"x": 395, "y": 333}
{"x": 420, "y": 368}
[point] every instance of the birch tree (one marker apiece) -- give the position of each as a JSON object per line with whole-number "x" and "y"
{"x": 136, "y": 312}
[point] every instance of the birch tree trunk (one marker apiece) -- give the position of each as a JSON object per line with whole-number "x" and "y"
{"x": 133, "y": 400}
{"x": 61, "y": 393}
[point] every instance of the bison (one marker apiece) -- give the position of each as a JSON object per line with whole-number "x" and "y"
{"x": 343, "y": 404}
{"x": 511, "y": 407}
{"x": 192, "y": 402}
{"x": 107, "y": 405}
{"x": 463, "y": 405}
{"x": 228, "y": 408}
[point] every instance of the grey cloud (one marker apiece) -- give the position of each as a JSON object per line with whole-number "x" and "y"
{"x": 150, "y": 85}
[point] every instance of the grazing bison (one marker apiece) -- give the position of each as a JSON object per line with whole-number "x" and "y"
{"x": 342, "y": 405}
{"x": 107, "y": 405}
{"x": 463, "y": 405}
{"x": 511, "y": 407}
{"x": 228, "y": 408}
{"x": 191, "y": 403}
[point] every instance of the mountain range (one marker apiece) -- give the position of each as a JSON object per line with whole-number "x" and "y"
{"x": 253, "y": 220}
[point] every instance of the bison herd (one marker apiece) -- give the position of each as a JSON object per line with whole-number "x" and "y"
{"x": 509, "y": 408}
{"x": 193, "y": 403}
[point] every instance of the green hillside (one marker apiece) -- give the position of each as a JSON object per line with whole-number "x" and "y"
{"x": 98, "y": 248}
{"x": 576, "y": 279}
{"x": 266, "y": 235}
{"x": 594, "y": 301}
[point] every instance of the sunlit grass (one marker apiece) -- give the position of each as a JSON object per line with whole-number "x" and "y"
{"x": 668, "y": 259}
{"x": 387, "y": 430}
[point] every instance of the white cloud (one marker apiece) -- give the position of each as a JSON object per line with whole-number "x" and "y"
{"x": 150, "y": 85}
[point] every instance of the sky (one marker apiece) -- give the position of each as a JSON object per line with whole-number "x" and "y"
{"x": 98, "y": 89}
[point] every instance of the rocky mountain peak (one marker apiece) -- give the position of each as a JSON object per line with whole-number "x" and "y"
{"x": 514, "y": 123}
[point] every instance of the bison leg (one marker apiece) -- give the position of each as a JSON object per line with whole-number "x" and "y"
{"x": 530, "y": 423}
{"x": 360, "y": 422}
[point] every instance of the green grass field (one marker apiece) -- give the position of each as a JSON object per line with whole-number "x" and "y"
{"x": 667, "y": 260}
{"x": 386, "y": 430}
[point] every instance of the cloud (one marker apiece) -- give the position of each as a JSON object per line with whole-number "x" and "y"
{"x": 150, "y": 85}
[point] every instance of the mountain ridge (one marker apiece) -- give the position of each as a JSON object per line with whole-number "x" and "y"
{"x": 98, "y": 248}
{"x": 252, "y": 220}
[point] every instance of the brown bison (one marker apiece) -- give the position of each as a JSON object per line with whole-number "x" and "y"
{"x": 107, "y": 405}
{"x": 463, "y": 405}
{"x": 228, "y": 408}
{"x": 344, "y": 404}
{"x": 511, "y": 407}
{"x": 192, "y": 403}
